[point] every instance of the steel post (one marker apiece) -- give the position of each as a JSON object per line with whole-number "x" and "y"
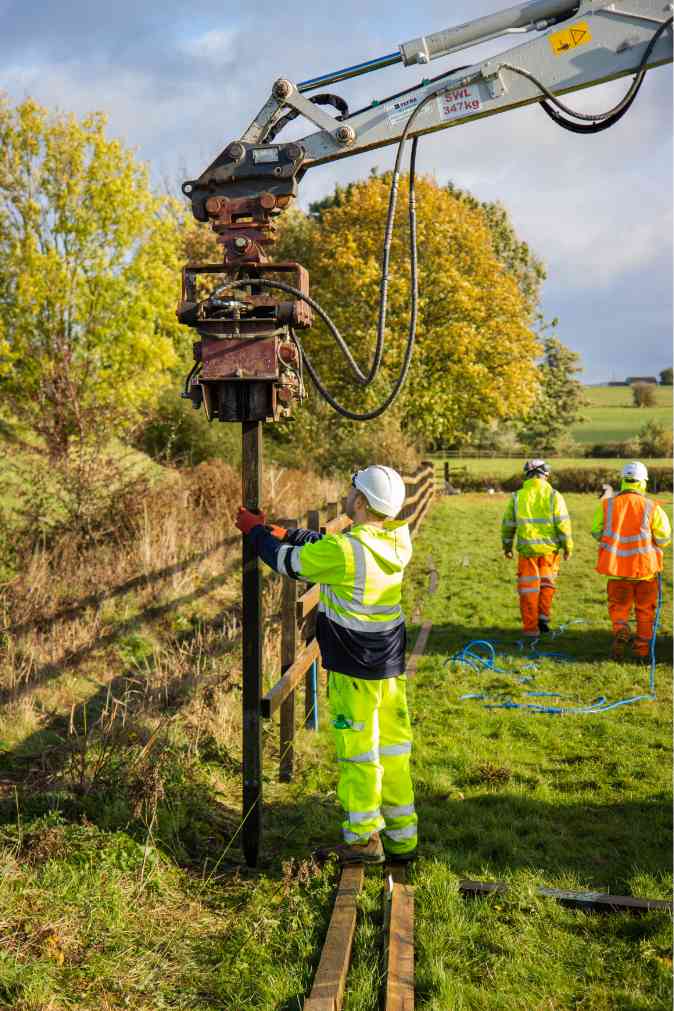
{"x": 251, "y": 466}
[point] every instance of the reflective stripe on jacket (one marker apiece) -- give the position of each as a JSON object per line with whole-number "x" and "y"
{"x": 631, "y": 533}
{"x": 360, "y": 625}
{"x": 538, "y": 516}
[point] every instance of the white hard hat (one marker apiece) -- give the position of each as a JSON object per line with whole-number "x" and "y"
{"x": 635, "y": 471}
{"x": 534, "y": 466}
{"x": 383, "y": 488}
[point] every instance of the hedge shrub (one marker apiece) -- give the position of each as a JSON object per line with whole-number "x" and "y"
{"x": 568, "y": 479}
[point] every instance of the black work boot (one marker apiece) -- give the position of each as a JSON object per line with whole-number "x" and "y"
{"x": 402, "y": 858}
{"x": 370, "y": 852}
{"x": 543, "y": 625}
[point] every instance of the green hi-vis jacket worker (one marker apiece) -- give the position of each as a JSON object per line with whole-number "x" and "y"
{"x": 361, "y": 633}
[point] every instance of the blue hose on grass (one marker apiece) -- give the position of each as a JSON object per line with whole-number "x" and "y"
{"x": 469, "y": 656}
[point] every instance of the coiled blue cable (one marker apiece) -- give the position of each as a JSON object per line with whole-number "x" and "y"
{"x": 477, "y": 662}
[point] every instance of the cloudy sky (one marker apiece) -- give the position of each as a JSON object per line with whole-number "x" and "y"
{"x": 179, "y": 81}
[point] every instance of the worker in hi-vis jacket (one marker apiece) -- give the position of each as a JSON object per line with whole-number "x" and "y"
{"x": 632, "y": 530}
{"x": 361, "y": 633}
{"x": 537, "y": 516}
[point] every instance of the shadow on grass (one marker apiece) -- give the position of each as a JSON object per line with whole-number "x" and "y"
{"x": 76, "y": 609}
{"x": 602, "y": 844}
{"x": 580, "y": 643}
{"x": 69, "y": 661}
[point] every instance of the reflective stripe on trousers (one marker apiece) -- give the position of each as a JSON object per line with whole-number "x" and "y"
{"x": 642, "y": 595}
{"x": 536, "y": 588}
{"x": 375, "y": 788}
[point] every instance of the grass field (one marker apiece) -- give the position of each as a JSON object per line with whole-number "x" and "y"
{"x": 611, "y": 416}
{"x": 111, "y": 894}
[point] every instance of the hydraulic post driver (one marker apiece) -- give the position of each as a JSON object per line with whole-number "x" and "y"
{"x": 249, "y": 360}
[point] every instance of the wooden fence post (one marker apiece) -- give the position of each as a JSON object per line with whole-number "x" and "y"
{"x": 311, "y": 677}
{"x": 446, "y": 471}
{"x": 288, "y": 654}
{"x": 251, "y": 438}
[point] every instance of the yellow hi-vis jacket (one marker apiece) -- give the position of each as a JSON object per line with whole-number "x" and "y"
{"x": 360, "y": 626}
{"x": 537, "y": 514}
{"x": 637, "y": 547}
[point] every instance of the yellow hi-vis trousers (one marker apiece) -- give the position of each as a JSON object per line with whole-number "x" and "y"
{"x": 373, "y": 736}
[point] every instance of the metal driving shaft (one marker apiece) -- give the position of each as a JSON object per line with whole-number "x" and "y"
{"x": 523, "y": 15}
{"x": 536, "y": 14}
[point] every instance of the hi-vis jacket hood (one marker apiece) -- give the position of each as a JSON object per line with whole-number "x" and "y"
{"x": 389, "y": 544}
{"x": 361, "y": 626}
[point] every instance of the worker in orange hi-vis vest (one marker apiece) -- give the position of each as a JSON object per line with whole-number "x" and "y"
{"x": 631, "y": 530}
{"x": 536, "y": 518}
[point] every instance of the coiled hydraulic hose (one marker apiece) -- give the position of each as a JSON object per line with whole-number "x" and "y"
{"x": 365, "y": 379}
{"x": 595, "y": 122}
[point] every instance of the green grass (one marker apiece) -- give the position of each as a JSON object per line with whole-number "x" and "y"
{"x": 111, "y": 894}
{"x": 611, "y": 416}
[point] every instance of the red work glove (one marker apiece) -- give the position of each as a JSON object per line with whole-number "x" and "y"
{"x": 246, "y": 520}
{"x": 280, "y": 533}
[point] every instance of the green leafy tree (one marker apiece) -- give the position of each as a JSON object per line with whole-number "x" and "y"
{"x": 666, "y": 376}
{"x": 476, "y": 348}
{"x": 560, "y": 398}
{"x": 89, "y": 257}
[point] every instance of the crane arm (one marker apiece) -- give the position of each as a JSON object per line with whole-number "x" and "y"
{"x": 249, "y": 359}
{"x": 576, "y": 46}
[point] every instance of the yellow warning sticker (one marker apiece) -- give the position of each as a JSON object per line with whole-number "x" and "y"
{"x": 569, "y": 38}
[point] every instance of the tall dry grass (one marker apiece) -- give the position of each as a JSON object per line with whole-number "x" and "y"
{"x": 151, "y": 608}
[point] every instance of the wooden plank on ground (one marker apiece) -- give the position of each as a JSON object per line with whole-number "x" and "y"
{"x": 400, "y": 955}
{"x": 422, "y": 638}
{"x": 419, "y": 647}
{"x": 290, "y": 680}
{"x": 597, "y": 902}
{"x": 327, "y": 992}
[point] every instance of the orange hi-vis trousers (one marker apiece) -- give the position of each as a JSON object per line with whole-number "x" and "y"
{"x": 536, "y": 578}
{"x": 642, "y": 594}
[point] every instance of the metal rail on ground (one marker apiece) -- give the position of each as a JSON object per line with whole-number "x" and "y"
{"x": 598, "y": 902}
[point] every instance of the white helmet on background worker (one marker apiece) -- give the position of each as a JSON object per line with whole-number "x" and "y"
{"x": 383, "y": 488}
{"x": 635, "y": 471}
{"x": 532, "y": 467}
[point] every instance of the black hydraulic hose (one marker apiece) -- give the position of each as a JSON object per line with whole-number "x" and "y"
{"x": 407, "y": 360}
{"x": 597, "y": 127}
{"x": 596, "y": 119}
{"x": 362, "y": 378}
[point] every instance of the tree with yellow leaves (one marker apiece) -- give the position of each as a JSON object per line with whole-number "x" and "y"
{"x": 476, "y": 350}
{"x": 89, "y": 259}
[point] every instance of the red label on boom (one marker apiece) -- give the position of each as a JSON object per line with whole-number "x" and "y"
{"x": 460, "y": 102}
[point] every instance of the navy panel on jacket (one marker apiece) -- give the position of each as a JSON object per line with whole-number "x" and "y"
{"x": 367, "y": 655}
